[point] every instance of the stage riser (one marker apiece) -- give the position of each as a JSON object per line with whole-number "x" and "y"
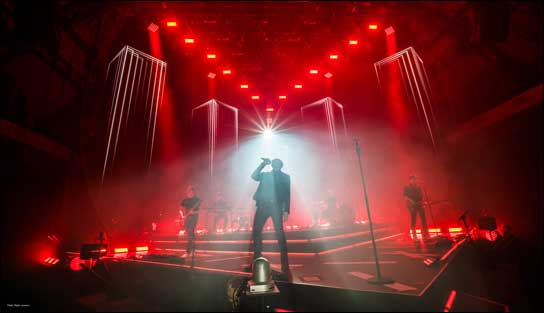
{"x": 270, "y": 235}
{"x": 311, "y": 246}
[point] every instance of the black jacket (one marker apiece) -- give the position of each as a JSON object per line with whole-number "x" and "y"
{"x": 273, "y": 186}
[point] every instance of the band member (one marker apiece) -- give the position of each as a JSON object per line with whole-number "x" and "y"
{"x": 330, "y": 213}
{"x": 414, "y": 201}
{"x": 273, "y": 199}
{"x": 190, "y": 206}
{"x": 220, "y": 208}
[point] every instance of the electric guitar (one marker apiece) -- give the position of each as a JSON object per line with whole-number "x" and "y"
{"x": 411, "y": 204}
{"x": 184, "y": 212}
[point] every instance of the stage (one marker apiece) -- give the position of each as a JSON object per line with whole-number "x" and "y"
{"x": 329, "y": 267}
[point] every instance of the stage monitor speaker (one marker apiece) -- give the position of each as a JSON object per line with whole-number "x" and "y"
{"x": 92, "y": 251}
{"x": 487, "y": 223}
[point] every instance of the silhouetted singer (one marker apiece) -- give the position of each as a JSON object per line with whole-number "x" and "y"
{"x": 273, "y": 199}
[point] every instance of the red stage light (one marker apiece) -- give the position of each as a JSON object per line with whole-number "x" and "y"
{"x": 244, "y": 86}
{"x": 373, "y": 26}
{"x": 269, "y": 109}
{"x": 51, "y": 261}
{"x": 333, "y": 56}
{"x": 211, "y": 56}
{"x": 313, "y": 71}
{"x": 298, "y": 86}
{"x": 171, "y": 24}
{"x": 282, "y": 97}
{"x": 140, "y": 249}
{"x": 389, "y": 30}
{"x": 282, "y": 310}
{"x": 152, "y": 27}
{"x": 227, "y": 72}
{"x": 75, "y": 264}
{"x": 189, "y": 40}
{"x": 491, "y": 235}
{"x": 353, "y": 42}
{"x": 255, "y": 97}
{"x": 121, "y": 250}
{"x": 449, "y": 302}
{"x": 328, "y": 75}
{"x": 455, "y": 229}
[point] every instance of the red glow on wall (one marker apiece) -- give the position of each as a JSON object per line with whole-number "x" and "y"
{"x": 211, "y": 56}
{"x": 353, "y": 42}
{"x": 333, "y": 56}
{"x": 189, "y": 40}
{"x": 255, "y": 97}
{"x": 227, "y": 72}
{"x": 373, "y": 26}
{"x": 171, "y": 24}
{"x": 298, "y": 86}
{"x": 314, "y": 71}
{"x": 282, "y": 97}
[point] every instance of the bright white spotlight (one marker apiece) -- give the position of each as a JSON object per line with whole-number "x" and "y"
{"x": 267, "y": 133}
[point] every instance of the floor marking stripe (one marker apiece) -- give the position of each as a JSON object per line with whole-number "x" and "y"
{"x": 395, "y": 286}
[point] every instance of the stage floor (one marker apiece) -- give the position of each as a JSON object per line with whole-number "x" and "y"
{"x": 345, "y": 266}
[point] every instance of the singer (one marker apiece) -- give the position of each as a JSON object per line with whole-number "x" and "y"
{"x": 273, "y": 199}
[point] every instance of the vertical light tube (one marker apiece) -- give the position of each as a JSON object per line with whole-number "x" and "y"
{"x": 129, "y": 91}
{"x": 113, "y": 117}
{"x": 155, "y": 116}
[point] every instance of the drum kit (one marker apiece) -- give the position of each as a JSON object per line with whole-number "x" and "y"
{"x": 341, "y": 215}
{"x": 239, "y": 219}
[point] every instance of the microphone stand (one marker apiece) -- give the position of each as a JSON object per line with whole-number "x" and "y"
{"x": 429, "y": 204}
{"x": 379, "y": 279}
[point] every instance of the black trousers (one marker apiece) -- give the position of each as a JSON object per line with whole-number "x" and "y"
{"x": 418, "y": 210}
{"x": 190, "y": 225}
{"x": 264, "y": 211}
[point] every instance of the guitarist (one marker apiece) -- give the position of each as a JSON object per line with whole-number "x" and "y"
{"x": 189, "y": 211}
{"x": 414, "y": 201}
